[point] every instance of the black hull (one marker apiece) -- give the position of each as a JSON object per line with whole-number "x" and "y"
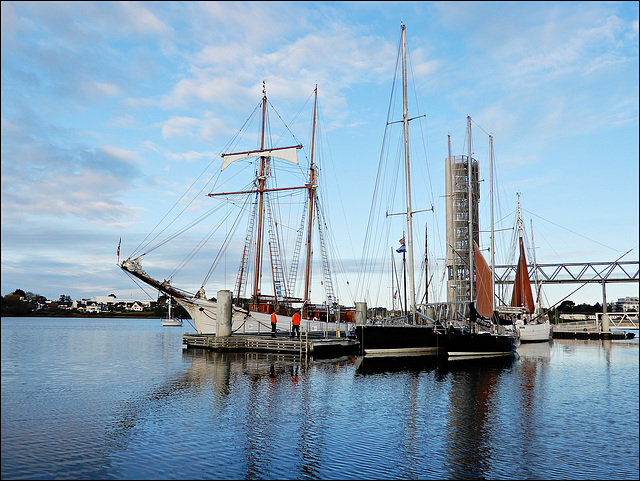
{"x": 399, "y": 340}
{"x": 462, "y": 344}
{"x": 421, "y": 340}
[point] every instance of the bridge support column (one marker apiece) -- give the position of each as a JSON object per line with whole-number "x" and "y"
{"x": 605, "y": 329}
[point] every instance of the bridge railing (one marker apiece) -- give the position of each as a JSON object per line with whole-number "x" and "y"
{"x": 619, "y": 320}
{"x": 571, "y": 326}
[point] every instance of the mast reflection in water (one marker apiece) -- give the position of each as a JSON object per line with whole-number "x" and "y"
{"x": 121, "y": 399}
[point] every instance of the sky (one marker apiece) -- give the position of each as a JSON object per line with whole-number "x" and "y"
{"x": 110, "y": 110}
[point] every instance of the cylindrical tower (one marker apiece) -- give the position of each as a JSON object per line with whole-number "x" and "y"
{"x": 457, "y": 195}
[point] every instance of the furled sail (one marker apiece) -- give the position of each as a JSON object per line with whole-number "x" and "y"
{"x": 484, "y": 296}
{"x": 522, "y": 295}
{"x": 290, "y": 154}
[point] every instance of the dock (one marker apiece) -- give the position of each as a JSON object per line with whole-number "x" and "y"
{"x": 591, "y": 334}
{"x": 311, "y": 344}
{"x": 592, "y": 329}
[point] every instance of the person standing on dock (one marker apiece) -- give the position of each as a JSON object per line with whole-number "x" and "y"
{"x": 273, "y": 324}
{"x": 295, "y": 321}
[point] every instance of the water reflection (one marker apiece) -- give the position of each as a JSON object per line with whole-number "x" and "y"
{"x": 265, "y": 416}
{"x": 138, "y": 406}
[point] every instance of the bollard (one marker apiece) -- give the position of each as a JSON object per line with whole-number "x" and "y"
{"x": 223, "y": 314}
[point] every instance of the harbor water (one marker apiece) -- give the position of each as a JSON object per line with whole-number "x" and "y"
{"x": 123, "y": 399}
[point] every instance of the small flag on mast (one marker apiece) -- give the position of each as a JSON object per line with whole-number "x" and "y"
{"x": 119, "y": 248}
{"x": 402, "y": 247}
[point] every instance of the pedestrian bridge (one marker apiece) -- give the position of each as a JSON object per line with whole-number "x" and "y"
{"x": 617, "y": 320}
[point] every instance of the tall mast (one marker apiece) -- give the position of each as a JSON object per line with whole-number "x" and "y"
{"x": 470, "y": 200}
{"x": 261, "y": 182}
{"x": 426, "y": 264}
{"x": 535, "y": 269}
{"x": 521, "y": 239}
{"x": 312, "y": 189}
{"x": 405, "y": 120}
{"x": 493, "y": 259}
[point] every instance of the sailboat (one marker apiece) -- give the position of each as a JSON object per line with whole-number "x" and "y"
{"x": 171, "y": 321}
{"x": 258, "y": 205}
{"x": 402, "y": 336}
{"x": 484, "y": 332}
{"x": 449, "y": 328}
{"x": 532, "y": 323}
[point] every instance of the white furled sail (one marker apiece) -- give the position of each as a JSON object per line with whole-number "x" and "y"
{"x": 290, "y": 154}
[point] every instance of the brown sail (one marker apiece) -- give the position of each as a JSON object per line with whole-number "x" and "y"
{"x": 522, "y": 295}
{"x": 484, "y": 296}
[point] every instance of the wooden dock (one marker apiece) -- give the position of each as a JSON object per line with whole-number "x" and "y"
{"x": 313, "y": 344}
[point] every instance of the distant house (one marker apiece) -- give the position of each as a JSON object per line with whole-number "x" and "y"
{"x": 136, "y": 306}
{"x": 93, "y": 307}
{"x": 112, "y": 303}
{"x": 627, "y": 304}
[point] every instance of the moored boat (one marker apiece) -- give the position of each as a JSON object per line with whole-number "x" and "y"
{"x": 529, "y": 319}
{"x": 171, "y": 321}
{"x": 271, "y": 289}
{"x": 466, "y": 324}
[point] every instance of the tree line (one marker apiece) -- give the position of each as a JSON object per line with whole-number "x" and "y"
{"x": 28, "y": 304}
{"x": 21, "y": 303}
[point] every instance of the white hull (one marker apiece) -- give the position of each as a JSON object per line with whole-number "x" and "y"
{"x": 473, "y": 355}
{"x": 415, "y": 351}
{"x": 204, "y": 315}
{"x": 535, "y": 332}
{"x": 171, "y": 322}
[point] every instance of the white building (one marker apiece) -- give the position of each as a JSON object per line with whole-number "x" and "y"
{"x": 105, "y": 302}
{"x": 627, "y": 304}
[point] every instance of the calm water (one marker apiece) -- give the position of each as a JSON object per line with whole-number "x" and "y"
{"x": 122, "y": 399}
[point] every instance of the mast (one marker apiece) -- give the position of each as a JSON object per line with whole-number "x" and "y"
{"x": 493, "y": 259}
{"x": 312, "y": 189}
{"x": 470, "y": 205}
{"x": 261, "y": 182}
{"x": 521, "y": 242}
{"x": 405, "y": 121}
{"x": 426, "y": 265}
{"x": 522, "y": 295}
{"x": 535, "y": 269}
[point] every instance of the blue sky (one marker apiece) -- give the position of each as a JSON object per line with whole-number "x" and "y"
{"x": 110, "y": 110}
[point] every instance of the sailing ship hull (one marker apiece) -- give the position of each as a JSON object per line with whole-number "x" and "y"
{"x": 409, "y": 340}
{"x": 205, "y": 314}
{"x": 482, "y": 344}
{"x": 405, "y": 340}
{"x": 531, "y": 332}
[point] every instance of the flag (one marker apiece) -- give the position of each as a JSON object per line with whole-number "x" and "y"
{"x": 402, "y": 247}
{"x": 119, "y": 247}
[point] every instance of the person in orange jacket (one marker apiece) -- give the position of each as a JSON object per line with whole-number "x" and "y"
{"x": 274, "y": 320}
{"x": 295, "y": 321}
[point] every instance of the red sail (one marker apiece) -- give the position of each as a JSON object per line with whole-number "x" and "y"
{"x": 522, "y": 295}
{"x": 484, "y": 296}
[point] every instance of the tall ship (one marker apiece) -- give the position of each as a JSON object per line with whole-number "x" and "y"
{"x": 270, "y": 260}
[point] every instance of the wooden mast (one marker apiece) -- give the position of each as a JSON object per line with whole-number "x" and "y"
{"x": 261, "y": 182}
{"x": 312, "y": 190}
{"x": 472, "y": 325}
